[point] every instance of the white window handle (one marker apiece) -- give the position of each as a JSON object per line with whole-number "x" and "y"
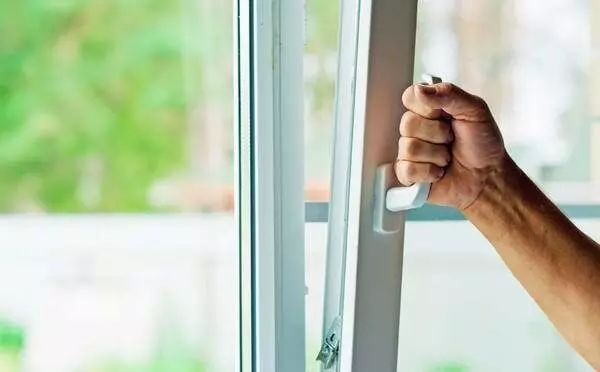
{"x": 397, "y": 199}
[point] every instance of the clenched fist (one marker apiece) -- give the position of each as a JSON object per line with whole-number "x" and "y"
{"x": 448, "y": 138}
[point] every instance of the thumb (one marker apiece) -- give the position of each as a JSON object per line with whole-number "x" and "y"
{"x": 456, "y": 102}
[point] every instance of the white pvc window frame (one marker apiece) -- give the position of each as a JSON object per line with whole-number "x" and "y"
{"x": 364, "y": 267}
{"x": 271, "y": 181}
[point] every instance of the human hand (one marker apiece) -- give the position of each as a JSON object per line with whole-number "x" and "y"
{"x": 450, "y": 139}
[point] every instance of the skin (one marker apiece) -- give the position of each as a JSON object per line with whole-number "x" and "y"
{"x": 449, "y": 137}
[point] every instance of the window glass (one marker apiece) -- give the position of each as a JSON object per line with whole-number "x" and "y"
{"x": 320, "y": 72}
{"x": 463, "y": 311}
{"x": 534, "y": 61}
{"x": 536, "y": 74}
{"x": 116, "y": 117}
{"x": 316, "y": 253}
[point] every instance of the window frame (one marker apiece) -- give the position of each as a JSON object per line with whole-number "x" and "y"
{"x": 270, "y": 201}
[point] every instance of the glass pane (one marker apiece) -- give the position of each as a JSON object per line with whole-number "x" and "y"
{"x": 537, "y": 75}
{"x": 320, "y": 72}
{"x": 116, "y": 118}
{"x": 316, "y": 253}
{"x": 462, "y": 310}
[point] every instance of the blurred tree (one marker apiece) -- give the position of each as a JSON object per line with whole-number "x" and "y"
{"x": 93, "y": 101}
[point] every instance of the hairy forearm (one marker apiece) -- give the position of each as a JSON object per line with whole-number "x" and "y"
{"x": 556, "y": 263}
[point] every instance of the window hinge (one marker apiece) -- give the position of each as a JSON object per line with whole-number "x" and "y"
{"x": 331, "y": 344}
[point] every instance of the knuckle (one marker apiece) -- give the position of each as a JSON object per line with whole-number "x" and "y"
{"x": 482, "y": 104}
{"x": 479, "y": 108}
{"x": 479, "y": 100}
{"x": 446, "y": 88}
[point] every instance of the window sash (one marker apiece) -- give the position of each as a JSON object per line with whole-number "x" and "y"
{"x": 364, "y": 268}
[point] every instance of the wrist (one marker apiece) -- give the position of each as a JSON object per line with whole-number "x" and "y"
{"x": 496, "y": 185}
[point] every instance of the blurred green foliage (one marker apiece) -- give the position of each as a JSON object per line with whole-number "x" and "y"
{"x": 91, "y": 86}
{"x": 322, "y": 19}
{"x": 97, "y": 97}
{"x": 12, "y": 336}
{"x": 449, "y": 367}
{"x": 322, "y": 23}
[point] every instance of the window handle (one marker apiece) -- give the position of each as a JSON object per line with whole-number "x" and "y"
{"x": 399, "y": 199}
{"x": 390, "y": 200}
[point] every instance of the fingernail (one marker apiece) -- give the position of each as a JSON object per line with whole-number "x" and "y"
{"x": 451, "y": 138}
{"x": 441, "y": 172}
{"x": 426, "y": 89}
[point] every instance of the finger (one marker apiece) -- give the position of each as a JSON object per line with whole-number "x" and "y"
{"x": 430, "y": 100}
{"x": 415, "y": 150}
{"x": 434, "y": 131}
{"x": 412, "y": 102}
{"x": 409, "y": 173}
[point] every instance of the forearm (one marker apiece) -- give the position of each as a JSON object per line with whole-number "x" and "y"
{"x": 556, "y": 263}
